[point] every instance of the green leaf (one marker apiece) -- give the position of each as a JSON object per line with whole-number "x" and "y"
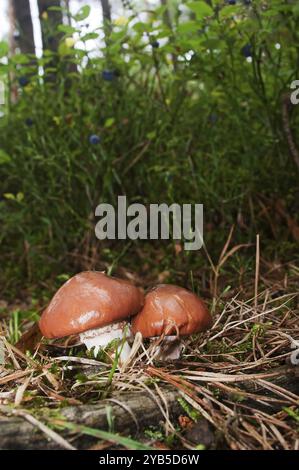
{"x": 9, "y": 196}
{"x": 20, "y": 197}
{"x": 56, "y": 9}
{"x": 293, "y": 413}
{"x": 141, "y": 27}
{"x": 188, "y": 27}
{"x": 65, "y": 49}
{"x": 4, "y": 157}
{"x": 83, "y": 13}
{"x": 271, "y": 12}
{"x": 65, "y": 28}
{"x": 151, "y": 135}
{"x": 230, "y": 10}
{"x": 109, "y": 122}
{"x": 20, "y": 59}
{"x": 3, "y": 48}
{"x": 201, "y": 9}
{"x": 63, "y": 277}
{"x": 4, "y": 68}
{"x": 89, "y": 36}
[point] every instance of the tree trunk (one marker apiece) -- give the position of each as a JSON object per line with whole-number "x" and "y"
{"x": 106, "y": 18}
{"x": 166, "y": 15}
{"x": 12, "y": 47}
{"x": 106, "y": 10}
{"x": 49, "y": 21}
{"x": 24, "y": 26}
{"x": 68, "y": 12}
{"x": 168, "y": 23}
{"x": 17, "y": 433}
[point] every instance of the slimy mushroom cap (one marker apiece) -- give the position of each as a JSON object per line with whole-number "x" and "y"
{"x": 87, "y": 301}
{"x": 169, "y": 310}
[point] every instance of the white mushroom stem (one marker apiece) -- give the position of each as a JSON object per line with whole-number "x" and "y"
{"x": 294, "y": 358}
{"x": 101, "y": 337}
{"x": 169, "y": 349}
{"x": 295, "y": 354}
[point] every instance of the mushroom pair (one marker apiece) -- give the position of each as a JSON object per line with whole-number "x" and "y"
{"x": 99, "y": 307}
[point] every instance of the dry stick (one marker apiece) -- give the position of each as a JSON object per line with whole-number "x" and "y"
{"x": 127, "y": 408}
{"x": 222, "y": 260}
{"x": 15, "y": 376}
{"x": 138, "y": 157}
{"x": 217, "y": 268}
{"x": 81, "y": 360}
{"x": 279, "y": 436}
{"x": 21, "y": 390}
{"x": 262, "y": 416}
{"x": 257, "y": 271}
{"x": 11, "y": 354}
{"x": 279, "y": 391}
{"x": 163, "y": 411}
{"x": 189, "y": 389}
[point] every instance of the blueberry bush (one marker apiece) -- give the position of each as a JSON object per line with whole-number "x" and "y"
{"x": 189, "y": 110}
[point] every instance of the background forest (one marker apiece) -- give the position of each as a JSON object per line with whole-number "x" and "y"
{"x": 184, "y": 102}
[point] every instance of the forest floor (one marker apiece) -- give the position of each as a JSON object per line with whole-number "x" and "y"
{"x": 236, "y": 387}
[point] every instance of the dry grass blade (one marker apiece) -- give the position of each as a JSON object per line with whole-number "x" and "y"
{"x": 21, "y": 390}
{"x": 15, "y": 376}
{"x": 257, "y": 271}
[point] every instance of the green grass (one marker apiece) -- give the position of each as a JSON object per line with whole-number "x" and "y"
{"x": 126, "y": 442}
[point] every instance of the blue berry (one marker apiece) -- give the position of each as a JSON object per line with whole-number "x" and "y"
{"x": 231, "y": 2}
{"x": 29, "y": 122}
{"x": 23, "y": 81}
{"x": 155, "y": 44}
{"x": 213, "y": 118}
{"x": 94, "y": 139}
{"x": 108, "y": 75}
{"x": 247, "y": 50}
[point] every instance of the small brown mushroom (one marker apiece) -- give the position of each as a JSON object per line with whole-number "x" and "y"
{"x": 171, "y": 311}
{"x": 95, "y": 306}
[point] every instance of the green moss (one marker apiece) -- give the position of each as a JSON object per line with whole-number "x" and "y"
{"x": 189, "y": 410}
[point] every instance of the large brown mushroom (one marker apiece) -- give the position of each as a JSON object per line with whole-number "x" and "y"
{"x": 95, "y": 306}
{"x": 171, "y": 312}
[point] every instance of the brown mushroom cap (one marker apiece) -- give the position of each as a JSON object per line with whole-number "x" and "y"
{"x": 170, "y": 309}
{"x": 89, "y": 300}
